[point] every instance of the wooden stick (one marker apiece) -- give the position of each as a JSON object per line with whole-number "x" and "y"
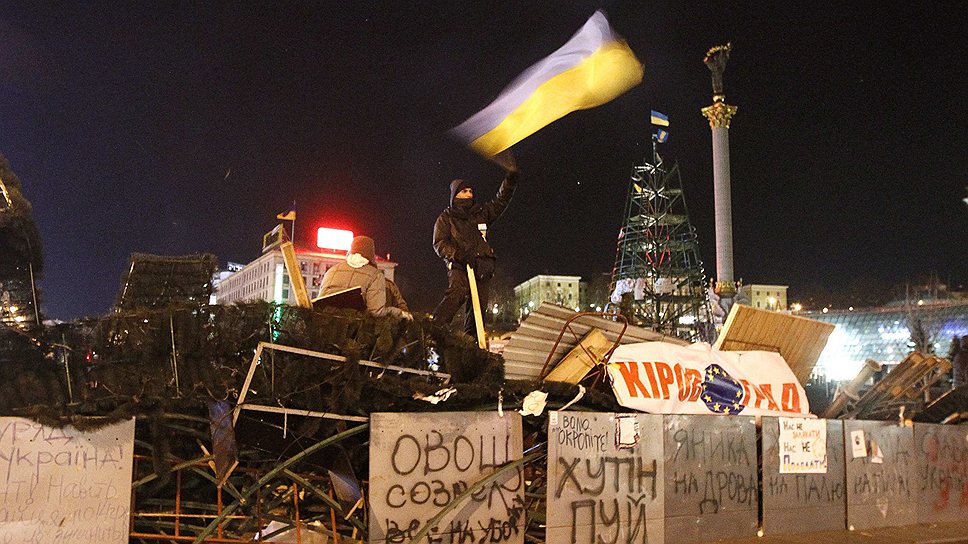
{"x": 296, "y": 282}
{"x": 476, "y": 301}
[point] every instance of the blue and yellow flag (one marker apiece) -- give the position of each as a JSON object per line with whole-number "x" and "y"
{"x": 660, "y": 119}
{"x": 661, "y": 136}
{"x": 594, "y": 67}
{"x": 289, "y": 215}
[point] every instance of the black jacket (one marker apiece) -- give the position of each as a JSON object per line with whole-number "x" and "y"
{"x": 456, "y": 231}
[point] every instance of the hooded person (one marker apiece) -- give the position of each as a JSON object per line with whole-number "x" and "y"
{"x": 359, "y": 270}
{"x": 460, "y": 240}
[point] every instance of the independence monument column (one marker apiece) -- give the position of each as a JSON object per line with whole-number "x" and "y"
{"x": 719, "y": 115}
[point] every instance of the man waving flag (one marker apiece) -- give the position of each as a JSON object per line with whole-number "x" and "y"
{"x": 594, "y": 67}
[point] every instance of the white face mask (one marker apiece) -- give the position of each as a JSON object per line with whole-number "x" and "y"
{"x": 356, "y": 260}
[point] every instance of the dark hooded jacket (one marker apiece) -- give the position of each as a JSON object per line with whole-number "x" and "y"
{"x": 457, "y": 231}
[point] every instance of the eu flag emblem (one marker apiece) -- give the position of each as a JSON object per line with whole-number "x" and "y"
{"x": 721, "y": 392}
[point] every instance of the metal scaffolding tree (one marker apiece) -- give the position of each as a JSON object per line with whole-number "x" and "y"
{"x": 658, "y": 278}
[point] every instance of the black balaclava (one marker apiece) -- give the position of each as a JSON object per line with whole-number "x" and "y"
{"x": 463, "y": 204}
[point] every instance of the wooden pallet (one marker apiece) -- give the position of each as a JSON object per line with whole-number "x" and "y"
{"x": 797, "y": 339}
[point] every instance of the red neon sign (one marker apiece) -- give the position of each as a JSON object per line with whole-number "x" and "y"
{"x": 327, "y": 238}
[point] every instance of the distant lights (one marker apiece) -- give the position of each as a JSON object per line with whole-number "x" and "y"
{"x": 921, "y": 302}
{"x": 796, "y": 307}
{"x": 825, "y": 310}
{"x": 899, "y": 335}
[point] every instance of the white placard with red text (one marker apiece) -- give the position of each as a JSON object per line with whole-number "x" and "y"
{"x": 663, "y": 378}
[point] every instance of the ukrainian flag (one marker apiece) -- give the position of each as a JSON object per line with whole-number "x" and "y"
{"x": 289, "y": 215}
{"x": 594, "y": 67}
{"x": 660, "y": 119}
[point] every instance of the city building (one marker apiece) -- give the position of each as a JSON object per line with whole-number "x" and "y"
{"x": 266, "y": 278}
{"x": 884, "y": 334}
{"x": 768, "y": 297}
{"x": 567, "y": 291}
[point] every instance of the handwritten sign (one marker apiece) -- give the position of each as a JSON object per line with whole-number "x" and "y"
{"x": 711, "y": 487}
{"x": 803, "y": 446}
{"x": 421, "y": 462}
{"x": 62, "y": 485}
{"x": 798, "y": 502}
{"x": 604, "y": 478}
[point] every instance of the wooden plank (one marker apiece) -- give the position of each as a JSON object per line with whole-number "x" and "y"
{"x": 300, "y": 412}
{"x": 318, "y": 355}
{"x": 912, "y": 374}
{"x": 581, "y": 359}
{"x": 296, "y": 281}
{"x": 476, "y": 304}
{"x": 877, "y": 395}
{"x": 939, "y": 369}
{"x": 798, "y": 340}
{"x": 248, "y": 381}
{"x": 340, "y": 358}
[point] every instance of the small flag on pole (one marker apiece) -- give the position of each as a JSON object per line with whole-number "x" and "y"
{"x": 289, "y": 215}
{"x": 592, "y": 68}
{"x": 661, "y": 136}
{"x": 659, "y": 119}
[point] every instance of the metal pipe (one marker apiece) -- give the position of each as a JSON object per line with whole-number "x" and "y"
{"x": 852, "y": 390}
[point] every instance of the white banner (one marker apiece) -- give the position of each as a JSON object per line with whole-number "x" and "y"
{"x": 663, "y": 378}
{"x": 62, "y": 485}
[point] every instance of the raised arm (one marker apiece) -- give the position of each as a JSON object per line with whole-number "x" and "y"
{"x": 493, "y": 209}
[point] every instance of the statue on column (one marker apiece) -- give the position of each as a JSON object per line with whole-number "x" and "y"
{"x": 715, "y": 60}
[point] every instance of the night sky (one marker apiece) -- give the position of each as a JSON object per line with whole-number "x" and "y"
{"x": 178, "y": 128}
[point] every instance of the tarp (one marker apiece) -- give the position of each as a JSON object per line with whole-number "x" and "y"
{"x": 664, "y": 378}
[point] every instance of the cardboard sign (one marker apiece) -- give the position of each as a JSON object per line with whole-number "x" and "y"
{"x": 803, "y": 446}
{"x": 664, "y": 378}
{"x": 421, "y": 462}
{"x": 62, "y": 485}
